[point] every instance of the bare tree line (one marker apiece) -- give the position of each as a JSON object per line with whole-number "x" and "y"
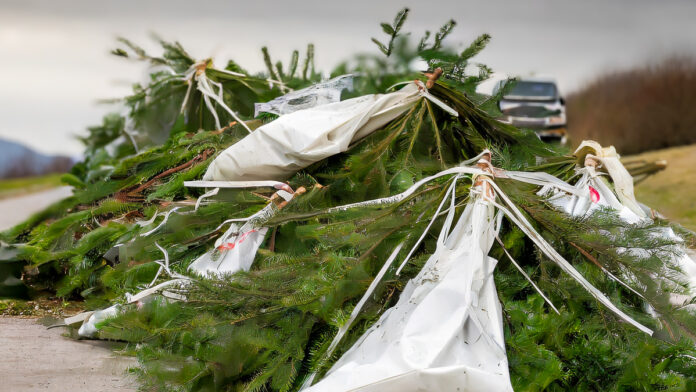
{"x": 27, "y": 167}
{"x": 637, "y": 110}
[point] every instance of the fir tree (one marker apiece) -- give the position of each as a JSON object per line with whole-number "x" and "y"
{"x": 268, "y": 328}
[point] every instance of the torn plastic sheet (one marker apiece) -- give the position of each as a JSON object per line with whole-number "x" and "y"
{"x": 446, "y": 332}
{"x": 313, "y": 96}
{"x": 609, "y": 159}
{"x": 89, "y": 328}
{"x": 232, "y": 254}
{"x": 405, "y": 349}
{"x": 235, "y": 250}
{"x": 582, "y": 204}
{"x": 296, "y": 140}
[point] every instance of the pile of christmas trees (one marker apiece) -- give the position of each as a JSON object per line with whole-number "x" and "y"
{"x": 132, "y": 224}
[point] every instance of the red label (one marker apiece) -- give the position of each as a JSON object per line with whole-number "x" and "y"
{"x": 594, "y": 195}
{"x": 238, "y": 240}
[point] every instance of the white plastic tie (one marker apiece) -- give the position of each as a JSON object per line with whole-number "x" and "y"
{"x": 519, "y": 268}
{"x": 518, "y": 218}
{"x": 164, "y": 221}
{"x": 233, "y": 184}
{"x": 423, "y": 91}
{"x": 356, "y": 310}
{"x": 204, "y": 196}
{"x": 427, "y": 228}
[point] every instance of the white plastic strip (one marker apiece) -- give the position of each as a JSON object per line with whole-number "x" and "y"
{"x": 231, "y": 73}
{"x": 204, "y": 86}
{"x": 78, "y": 318}
{"x": 204, "y": 196}
{"x": 424, "y": 92}
{"x": 542, "y": 179}
{"x": 147, "y": 222}
{"x": 519, "y": 219}
{"x": 408, "y": 192}
{"x": 356, "y": 310}
{"x": 164, "y": 221}
{"x": 165, "y": 267}
{"x": 476, "y": 158}
{"x": 155, "y": 289}
{"x": 233, "y": 184}
{"x": 450, "y": 191}
{"x": 532, "y": 179}
{"x": 519, "y": 268}
{"x": 439, "y": 103}
{"x": 188, "y": 78}
{"x": 287, "y": 196}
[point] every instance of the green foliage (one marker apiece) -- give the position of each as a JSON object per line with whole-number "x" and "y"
{"x": 392, "y": 30}
{"x": 268, "y": 328}
{"x": 308, "y": 67}
{"x": 444, "y": 31}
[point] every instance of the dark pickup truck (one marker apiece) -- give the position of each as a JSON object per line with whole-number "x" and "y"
{"x": 535, "y": 103}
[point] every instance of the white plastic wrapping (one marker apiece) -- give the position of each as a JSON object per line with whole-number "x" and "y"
{"x": 446, "y": 331}
{"x": 232, "y": 253}
{"x": 593, "y": 193}
{"x": 279, "y": 149}
{"x": 312, "y": 96}
{"x": 89, "y": 329}
{"x": 609, "y": 159}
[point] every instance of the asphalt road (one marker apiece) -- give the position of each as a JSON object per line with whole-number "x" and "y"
{"x": 15, "y": 210}
{"x": 34, "y": 358}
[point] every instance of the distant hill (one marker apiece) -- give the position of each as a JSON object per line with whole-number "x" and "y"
{"x": 640, "y": 109}
{"x": 17, "y": 160}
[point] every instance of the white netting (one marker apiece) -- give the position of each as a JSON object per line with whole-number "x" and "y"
{"x": 318, "y": 94}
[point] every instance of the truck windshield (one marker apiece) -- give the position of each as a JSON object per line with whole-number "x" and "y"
{"x": 532, "y": 90}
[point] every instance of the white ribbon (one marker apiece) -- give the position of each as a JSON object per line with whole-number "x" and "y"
{"x": 450, "y": 192}
{"x": 205, "y": 86}
{"x": 164, "y": 221}
{"x": 356, "y": 310}
{"x": 204, "y": 196}
{"x": 519, "y": 219}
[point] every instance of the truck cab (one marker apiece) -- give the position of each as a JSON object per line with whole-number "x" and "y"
{"x": 535, "y": 103}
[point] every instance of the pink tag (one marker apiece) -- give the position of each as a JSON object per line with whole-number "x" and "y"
{"x": 231, "y": 245}
{"x": 594, "y": 195}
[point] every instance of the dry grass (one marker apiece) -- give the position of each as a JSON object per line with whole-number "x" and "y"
{"x": 21, "y": 186}
{"x": 638, "y": 110}
{"x": 672, "y": 192}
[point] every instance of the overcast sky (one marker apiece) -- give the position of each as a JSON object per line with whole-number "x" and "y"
{"x": 55, "y": 62}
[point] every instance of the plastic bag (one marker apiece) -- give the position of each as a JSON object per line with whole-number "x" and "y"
{"x": 232, "y": 253}
{"x": 313, "y": 96}
{"x": 279, "y": 149}
{"x": 446, "y": 331}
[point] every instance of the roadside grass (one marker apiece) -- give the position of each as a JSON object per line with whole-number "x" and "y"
{"x": 672, "y": 192}
{"x": 20, "y": 186}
